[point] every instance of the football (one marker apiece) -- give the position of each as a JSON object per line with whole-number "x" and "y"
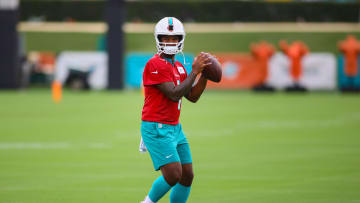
{"x": 213, "y": 72}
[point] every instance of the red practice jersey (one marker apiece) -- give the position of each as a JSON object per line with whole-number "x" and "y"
{"x": 157, "y": 107}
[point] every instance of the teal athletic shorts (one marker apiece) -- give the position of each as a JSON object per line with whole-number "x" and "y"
{"x": 165, "y": 143}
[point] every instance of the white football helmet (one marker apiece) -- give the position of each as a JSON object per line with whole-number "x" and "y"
{"x": 169, "y": 26}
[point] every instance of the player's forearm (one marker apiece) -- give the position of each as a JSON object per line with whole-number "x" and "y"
{"x": 184, "y": 88}
{"x": 173, "y": 92}
{"x": 197, "y": 90}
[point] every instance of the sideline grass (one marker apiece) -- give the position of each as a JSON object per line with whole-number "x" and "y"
{"x": 246, "y": 147}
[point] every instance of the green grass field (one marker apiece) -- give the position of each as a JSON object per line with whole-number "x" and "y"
{"x": 247, "y": 147}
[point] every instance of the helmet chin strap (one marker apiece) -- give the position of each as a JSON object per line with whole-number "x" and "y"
{"x": 182, "y": 53}
{"x": 183, "y": 57}
{"x": 162, "y": 50}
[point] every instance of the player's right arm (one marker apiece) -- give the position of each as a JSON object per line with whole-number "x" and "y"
{"x": 173, "y": 92}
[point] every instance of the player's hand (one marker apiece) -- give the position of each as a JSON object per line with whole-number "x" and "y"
{"x": 200, "y": 62}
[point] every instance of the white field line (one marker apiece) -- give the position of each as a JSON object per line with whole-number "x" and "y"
{"x": 281, "y": 124}
{"x": 49, "y": 145}
{"x": 96, "y": 189}
{"x": 191, "y": 27}
{"x": 33, "y": 145}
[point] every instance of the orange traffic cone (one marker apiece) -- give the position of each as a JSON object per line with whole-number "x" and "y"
{"x": 56, "y": 91}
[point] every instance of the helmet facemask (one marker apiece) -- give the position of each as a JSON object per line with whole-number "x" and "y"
{"x": 169, "y": 48}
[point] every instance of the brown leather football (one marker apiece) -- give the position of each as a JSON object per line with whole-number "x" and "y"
{"x": 213, "y": 72}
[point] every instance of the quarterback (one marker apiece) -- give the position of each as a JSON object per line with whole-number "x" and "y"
{"x": 166, "y": 82}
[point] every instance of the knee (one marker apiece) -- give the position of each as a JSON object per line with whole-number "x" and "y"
{"x": 173, "y": 177}
{"x": 187, "y": 177}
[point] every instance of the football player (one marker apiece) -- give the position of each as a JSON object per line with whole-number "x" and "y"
{"x": 165, "y": 83}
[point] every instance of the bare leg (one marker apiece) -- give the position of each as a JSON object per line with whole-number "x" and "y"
{"x": 172, "y": 173}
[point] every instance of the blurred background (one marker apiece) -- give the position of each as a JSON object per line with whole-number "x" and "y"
{"x": 105, "y": 44}
{"x": 283, "y": 124}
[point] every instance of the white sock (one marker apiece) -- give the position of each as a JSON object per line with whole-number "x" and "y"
{"x": 148, "y": 200}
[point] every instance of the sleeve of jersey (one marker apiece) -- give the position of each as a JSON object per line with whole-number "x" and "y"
{"x": 155, "y": 75}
